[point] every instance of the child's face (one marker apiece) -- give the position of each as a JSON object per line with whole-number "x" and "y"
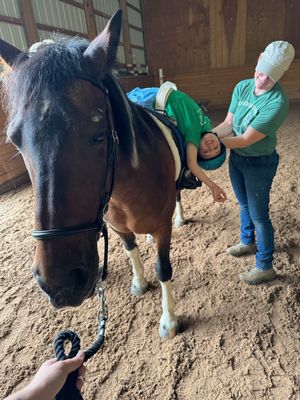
{"x": 210, "y": 146}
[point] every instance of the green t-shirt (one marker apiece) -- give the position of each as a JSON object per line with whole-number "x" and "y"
{"x": 191, "y": 120}
{"x": 265, "y": 113}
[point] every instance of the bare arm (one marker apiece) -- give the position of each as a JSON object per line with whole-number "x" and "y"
{"x": 225, "y": 128}
{"x": 250, "y": 136}
{"x": 50, "y": 378}
{"x": 191, "y": 155}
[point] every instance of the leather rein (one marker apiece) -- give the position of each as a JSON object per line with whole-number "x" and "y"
{"x": 98, "y": 226}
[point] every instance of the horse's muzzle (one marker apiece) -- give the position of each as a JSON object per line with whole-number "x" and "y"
{"x": 69, "y": 295}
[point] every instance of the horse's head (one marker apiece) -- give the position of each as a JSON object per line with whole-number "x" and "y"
{"x": 59, "y": 121}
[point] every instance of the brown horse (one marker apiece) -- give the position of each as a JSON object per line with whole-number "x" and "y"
{"x": 82, "y": 140}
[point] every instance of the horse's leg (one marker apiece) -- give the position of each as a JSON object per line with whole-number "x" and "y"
{"x": 168, "y": 323}
{"x": 179, "y": 217}
{"x": 139, "y": 285}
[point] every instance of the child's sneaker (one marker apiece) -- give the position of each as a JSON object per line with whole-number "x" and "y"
{"x": 240, "y": 249}
{"x": 256, "y": 275}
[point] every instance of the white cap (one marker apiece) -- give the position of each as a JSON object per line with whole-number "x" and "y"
{"x": 163, "y": 94}
{"x": 34, "y": 48}
{"x": 276, "y": 59}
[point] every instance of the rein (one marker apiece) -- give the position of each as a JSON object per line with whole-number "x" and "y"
{"x": 69, "y": 390}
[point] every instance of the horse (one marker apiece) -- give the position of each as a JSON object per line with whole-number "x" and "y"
{"x": 91, "y": 155}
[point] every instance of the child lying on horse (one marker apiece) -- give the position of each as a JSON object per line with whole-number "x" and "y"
{"x": 203, "y": 148}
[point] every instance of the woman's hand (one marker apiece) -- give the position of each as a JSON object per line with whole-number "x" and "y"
{"x": 218, "y": 194}
{"x": 50, "y": 378}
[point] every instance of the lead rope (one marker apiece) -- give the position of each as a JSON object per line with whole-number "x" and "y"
{"x": 69, "y": 390}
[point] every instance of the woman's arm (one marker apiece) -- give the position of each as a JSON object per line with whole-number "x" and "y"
{"x": 250, "y": 136}
{"x": 225, "y": 128}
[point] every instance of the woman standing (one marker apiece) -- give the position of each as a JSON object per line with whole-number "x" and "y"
{"x": 258, "y": 108}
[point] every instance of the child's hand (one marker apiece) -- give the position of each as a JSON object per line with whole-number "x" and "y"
{"x": 218, "y": 194}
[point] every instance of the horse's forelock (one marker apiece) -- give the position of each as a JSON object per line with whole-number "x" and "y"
{"x": 43, "y": 76}
{"x": 45, "y": 72}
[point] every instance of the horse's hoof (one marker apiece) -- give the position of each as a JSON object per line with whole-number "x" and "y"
{"x": 179, "y": 222}
{"x": 169, "y": 332}
{"x": 137, "y": 290}
{"x": 149, "y": 239}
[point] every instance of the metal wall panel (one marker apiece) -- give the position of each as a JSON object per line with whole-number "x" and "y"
{"x": 100, "y": 23}
{"x": 9, "y": 8}
{"x": 107, "y": 6}
{"x": 136, "y": 37}
{"x": 135, "y": 3}
{"x": 138, "y": 56}
{"x": 13, "y": 34}
{"x": 134, "y": 18}
{"x": 121, "y": 54}
{"x": 60, "y": 15}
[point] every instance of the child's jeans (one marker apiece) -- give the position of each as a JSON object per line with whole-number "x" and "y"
{"x": 251, "y": 179}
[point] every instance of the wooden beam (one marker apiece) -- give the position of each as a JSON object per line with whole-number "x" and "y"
{"x": 102, "y": 14}
{"x": 134, "y": 8}
{"x": 68, "y": 32}
{"x": 136, "y": 46}
{"x": 30, "y": 27}
{"x": 72, "y": 3}
{"x": 11, "y": 20}
{"x": 135, "y": 27}
{"x": 125, "y": 31}
{"x": 90, "y": 18}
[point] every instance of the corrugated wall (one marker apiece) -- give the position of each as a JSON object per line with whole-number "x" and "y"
{"x": 86, "y": 18}
{"x": 60, "y": 15}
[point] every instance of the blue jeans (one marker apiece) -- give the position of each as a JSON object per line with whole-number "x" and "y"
{"x": 251, "y": 179}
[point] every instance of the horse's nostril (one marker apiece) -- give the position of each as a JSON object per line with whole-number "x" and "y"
{"x": 79, "y": 277}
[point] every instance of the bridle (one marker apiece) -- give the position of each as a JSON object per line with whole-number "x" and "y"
{"x": 98, "y": 226}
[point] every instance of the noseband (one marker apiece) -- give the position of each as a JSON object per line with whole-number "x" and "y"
{"x": 98, "y": 225}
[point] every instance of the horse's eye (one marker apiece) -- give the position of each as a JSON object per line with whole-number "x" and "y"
{"x": 99, "y": 138}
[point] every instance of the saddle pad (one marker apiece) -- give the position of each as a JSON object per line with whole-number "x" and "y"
{"x": 169, "y": 138}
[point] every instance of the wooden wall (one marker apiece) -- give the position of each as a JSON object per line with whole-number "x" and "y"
{"x": 207, "y": 46}
{"x": 12, "y": 168}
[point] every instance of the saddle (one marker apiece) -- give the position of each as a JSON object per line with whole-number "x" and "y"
{"x": 186, "y": 179}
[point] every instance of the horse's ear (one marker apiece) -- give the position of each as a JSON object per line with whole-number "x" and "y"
{"x": 9, "y": 53}
{"x": 102, "y": 51}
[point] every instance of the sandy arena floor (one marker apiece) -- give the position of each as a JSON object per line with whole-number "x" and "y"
{"x": 237, "y": 342}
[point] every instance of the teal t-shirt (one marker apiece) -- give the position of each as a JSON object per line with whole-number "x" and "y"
{"x": 265, "y": 113}
{"x": 191, "y": 120}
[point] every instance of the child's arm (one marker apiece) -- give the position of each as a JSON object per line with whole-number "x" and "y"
{"x": 191, "y": 156}
{"x": 225, "y": 128}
